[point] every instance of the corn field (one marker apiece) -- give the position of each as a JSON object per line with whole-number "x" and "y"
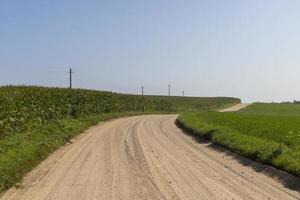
{"x": 23, "y": 107}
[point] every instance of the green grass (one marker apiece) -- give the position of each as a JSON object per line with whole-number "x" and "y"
{"x": 287, "y": 109}
{"x": 35, "y": 121}
{"x": 265, "y": 132}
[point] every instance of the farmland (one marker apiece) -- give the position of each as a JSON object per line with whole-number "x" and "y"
{"x": 287, "y": 109}
{"x": 35, "y": 121}
{"x": 269, "y": 133}
{"x": 23, "y": 108}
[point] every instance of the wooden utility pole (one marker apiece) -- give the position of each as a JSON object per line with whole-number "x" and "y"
{"x": 144, "y": 99}
{"x": 73, "y": 107}
{"x": 70, "y": 73}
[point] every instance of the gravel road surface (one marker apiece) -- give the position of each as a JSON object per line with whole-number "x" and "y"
{"x": 145, "y": 157}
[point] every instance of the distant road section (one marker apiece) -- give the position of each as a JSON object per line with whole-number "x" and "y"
{"x": 145, "y": 157}
{"x": 235, "y": 107}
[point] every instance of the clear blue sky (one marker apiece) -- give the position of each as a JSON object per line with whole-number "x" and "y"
{"x": 247, "y": 49}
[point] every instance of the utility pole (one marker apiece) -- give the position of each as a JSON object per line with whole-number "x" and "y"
{"x": 144, "y": 99}
{"x": 73, "y": 107}
{"x": 183, "y": 93}
{"x": 70, "y": 73}
{"x": 169, "y": 90}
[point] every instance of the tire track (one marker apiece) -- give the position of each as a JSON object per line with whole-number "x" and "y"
{"x": 144, "y": 157}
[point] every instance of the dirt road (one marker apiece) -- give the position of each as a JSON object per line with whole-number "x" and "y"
{"x": 144, "y": 157}
{"x": 236, "y": 107}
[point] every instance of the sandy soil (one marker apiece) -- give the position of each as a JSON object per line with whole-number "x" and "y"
{"x": 147, "y": 157}
{"x": 235, "y": 107}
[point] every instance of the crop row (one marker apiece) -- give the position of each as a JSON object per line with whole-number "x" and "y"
{"x": 26, "y": 107}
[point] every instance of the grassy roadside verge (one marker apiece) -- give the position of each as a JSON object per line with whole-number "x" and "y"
{"x": 264, "y": 148}
{"x": 21, "y": 152}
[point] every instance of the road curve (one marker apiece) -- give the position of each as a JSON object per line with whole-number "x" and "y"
{"x": 144, "y": 157}
{"x": 235, "y": 108}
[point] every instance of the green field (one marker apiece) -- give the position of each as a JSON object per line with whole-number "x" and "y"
{"x": 192, "y": 104}
{"x": 288, "y": 109}
{"x": 266, "y": 132}
{"x": 22, "y": 108}
{"x": 35, "y": 121}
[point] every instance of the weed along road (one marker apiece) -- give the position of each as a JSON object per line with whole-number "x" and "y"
{"x": 145, "y": 157}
